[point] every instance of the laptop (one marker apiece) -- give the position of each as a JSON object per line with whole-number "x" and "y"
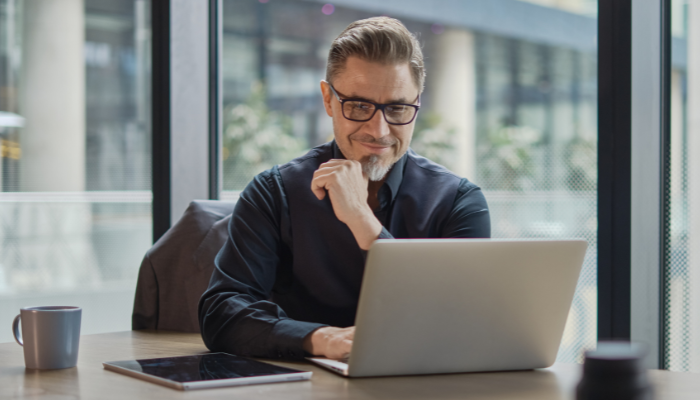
{"x": 431, "y": 306}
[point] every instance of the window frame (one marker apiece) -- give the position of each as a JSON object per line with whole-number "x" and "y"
{"x": 185, "y": 107}
{"x": 633, "y": 150}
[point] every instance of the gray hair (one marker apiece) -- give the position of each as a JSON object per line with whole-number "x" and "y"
{"x": 382, "y": 40}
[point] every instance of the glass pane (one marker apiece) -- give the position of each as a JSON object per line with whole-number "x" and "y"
{"x": 682, "y": 328}
{"x": 512, "y": 109}
{"x": 75, "y": 174}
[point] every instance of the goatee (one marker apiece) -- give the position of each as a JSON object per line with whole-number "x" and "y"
{"x": 374, "y": 169}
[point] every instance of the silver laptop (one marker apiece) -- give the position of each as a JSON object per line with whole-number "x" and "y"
{"x": 431, "y": 306}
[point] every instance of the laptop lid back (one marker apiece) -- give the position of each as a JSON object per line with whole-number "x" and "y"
{"x": 463, "y": 305}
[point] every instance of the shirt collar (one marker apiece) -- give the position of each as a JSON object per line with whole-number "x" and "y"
{"x": 393, "y": 179}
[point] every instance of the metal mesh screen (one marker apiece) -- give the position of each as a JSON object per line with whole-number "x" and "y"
{"x": 541, "y": 214}
{"x": 682, "y": 269}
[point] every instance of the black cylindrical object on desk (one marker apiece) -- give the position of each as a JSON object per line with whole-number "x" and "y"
{"x": 615, "y": 371}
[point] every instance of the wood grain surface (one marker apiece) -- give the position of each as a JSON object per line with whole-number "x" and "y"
{"x": 90, "y": 381}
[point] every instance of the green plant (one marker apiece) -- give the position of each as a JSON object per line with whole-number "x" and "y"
{"x": 256, "y": 138}
{"x": 505, "y": 158}
{"x": 433, "y": 141}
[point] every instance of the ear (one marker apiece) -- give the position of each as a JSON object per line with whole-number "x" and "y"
{"x": 327, "y": 97}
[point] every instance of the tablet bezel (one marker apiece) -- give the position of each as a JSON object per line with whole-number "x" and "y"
{"x": 206, "y": 384}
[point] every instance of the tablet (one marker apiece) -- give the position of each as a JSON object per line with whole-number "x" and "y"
{"x": 203, "y": 371}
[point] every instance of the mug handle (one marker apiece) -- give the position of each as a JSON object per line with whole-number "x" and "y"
{"x": 15, "y": 330}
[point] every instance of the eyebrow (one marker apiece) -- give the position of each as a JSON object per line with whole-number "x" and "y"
{"x": 401, "y": 100}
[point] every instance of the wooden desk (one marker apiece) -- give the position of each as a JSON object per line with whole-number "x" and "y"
{"x": 90, "y": 381}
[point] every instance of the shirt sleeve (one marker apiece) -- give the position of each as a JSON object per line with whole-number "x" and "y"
{"x": 235, "y": 313}
{"x": 385, "y": 234}
{"x": 470, "y": 216}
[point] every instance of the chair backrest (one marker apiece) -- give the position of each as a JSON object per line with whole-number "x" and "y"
{"x": 176, "y": 270}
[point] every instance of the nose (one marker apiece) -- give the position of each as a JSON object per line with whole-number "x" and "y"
{"x": 377, "y": 126}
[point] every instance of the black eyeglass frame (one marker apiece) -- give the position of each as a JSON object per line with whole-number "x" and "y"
{"x": 377, "y": 106}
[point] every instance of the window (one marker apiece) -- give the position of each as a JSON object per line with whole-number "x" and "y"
{"x": 682, "y": 347}
{"x": 514, "y": 110}
{"x": 75, "y": 186}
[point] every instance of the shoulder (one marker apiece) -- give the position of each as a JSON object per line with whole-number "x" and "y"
{"x": 467, "y": 191}
{"x": 267, "y": 188}
{"x": 263, "y": 191}
{"x": 431, "y": 168}
{"x": 469, "y": 194}
{"x": 467, "y": 188}
{"x": 271, "y": 180}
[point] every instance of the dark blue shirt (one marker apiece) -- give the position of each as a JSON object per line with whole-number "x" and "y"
{"x": 290, "y": 266}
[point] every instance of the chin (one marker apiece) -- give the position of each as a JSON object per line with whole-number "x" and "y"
{"x": 376, "y": 167}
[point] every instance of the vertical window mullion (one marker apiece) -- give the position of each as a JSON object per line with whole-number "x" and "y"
{"x": 614, "y": 168}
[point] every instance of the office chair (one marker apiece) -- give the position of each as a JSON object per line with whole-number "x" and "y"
{"x": 176, "y": 270}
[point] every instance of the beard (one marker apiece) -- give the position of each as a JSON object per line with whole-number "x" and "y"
{"x": 374, "y": 168}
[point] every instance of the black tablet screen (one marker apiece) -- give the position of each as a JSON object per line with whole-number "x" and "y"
{"x": 203, "y": 367}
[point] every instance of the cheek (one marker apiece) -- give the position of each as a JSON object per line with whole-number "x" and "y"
{"x": 404, "y": 135}
{"x": 344, "y": 128}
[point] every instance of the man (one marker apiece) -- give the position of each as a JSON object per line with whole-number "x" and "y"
{"x": 287, "y": 281}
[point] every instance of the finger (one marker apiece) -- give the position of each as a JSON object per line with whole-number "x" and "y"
{"x": 318, "y": 190}
{"x": 336, "y": 161}
{"x": 324, "y": 170}
{"x": 341, "y": 165}
{"x": 333, "y": 164}
{"x": 327, "y": 168}
{"x": 341, "y": 351}
{"x": 323, "y": 182}
{"x": 347, "y": 346}
{"x": 318, "y": 186}
{"x": 356, "y": 168}
{"x": 320, "y": 193}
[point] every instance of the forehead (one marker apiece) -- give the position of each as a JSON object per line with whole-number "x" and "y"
{"x": 375, "y": 81}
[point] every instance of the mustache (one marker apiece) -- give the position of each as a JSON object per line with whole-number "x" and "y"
{"x": 369, "y": 139}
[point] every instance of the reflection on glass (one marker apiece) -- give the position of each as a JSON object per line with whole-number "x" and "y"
{"x": 682, "y": 291}
{"x": 515, "y": 113}
{"x": 75, "y": 191}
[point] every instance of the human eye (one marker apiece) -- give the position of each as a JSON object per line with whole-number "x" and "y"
{"x": 358, "y": 110}
{"x": 396, "y": 109}
{"x": 361, "y": 106}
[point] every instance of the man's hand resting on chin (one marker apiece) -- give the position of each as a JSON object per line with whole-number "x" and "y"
{"x": 330, "y": 342}
{"x": 347, "y": 188}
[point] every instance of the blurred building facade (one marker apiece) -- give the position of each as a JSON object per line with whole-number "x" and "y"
{"x": 75, "y": 198}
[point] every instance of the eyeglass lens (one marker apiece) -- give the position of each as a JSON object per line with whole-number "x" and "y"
{"x": 394, "y": 113}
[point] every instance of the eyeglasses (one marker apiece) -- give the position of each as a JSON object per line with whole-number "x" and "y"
{"x": 363, "y": 110}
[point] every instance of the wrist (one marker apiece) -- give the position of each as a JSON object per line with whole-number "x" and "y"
{"x": 366, "y": 229}
{"x": 313, "y": 342}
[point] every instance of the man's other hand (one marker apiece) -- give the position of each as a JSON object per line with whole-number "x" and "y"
{"x": 346, "y": 186}
{"x": 330, "y": 342}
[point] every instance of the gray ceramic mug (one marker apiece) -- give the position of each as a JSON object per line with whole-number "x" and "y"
{"x": 50, "y": 336}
